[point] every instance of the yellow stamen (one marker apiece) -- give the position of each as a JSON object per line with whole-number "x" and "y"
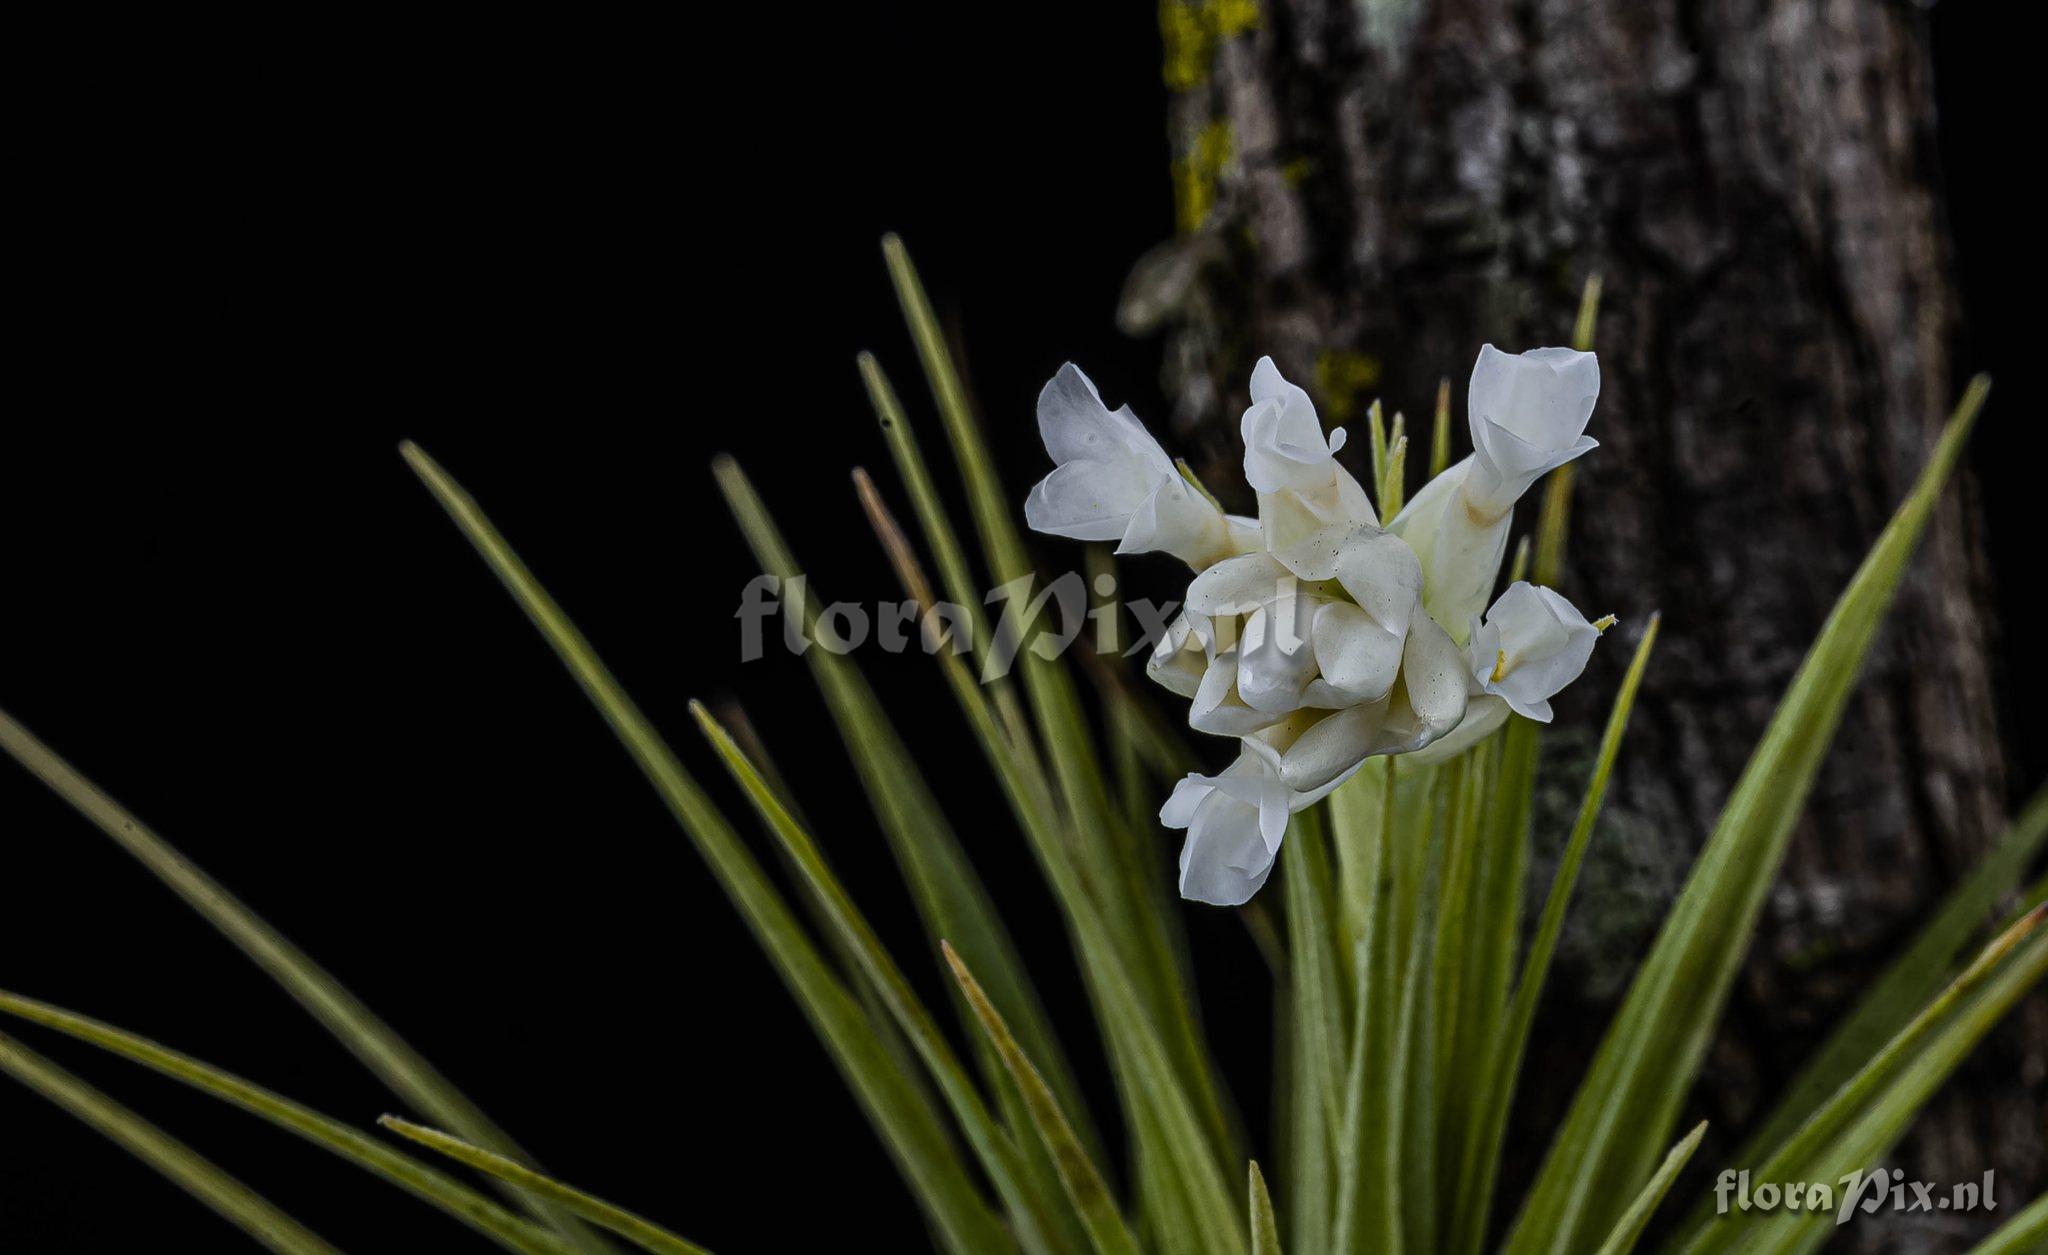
{"x": 1500, "y": 666}
{"x": 1604, "y": 622}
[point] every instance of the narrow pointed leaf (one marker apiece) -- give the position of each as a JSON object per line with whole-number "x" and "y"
{"x": 1879, "y": 1125}
{"x": 1554, "y": 522}
{"x": 1315, "y": 1031}
{"x": 645, "y": 1233}
{"x": 1482, "y": 1150}
{"x": 908, "y": 1125}
{"x": 950, "y": 896}
{"x": 402, "y": 1069}
{"x": 1629, "y": 1228}
{"x": 2025, "y": 1234}
{"x": 954, "y": 572}
{"x": 1368, "y": 1207}
{"x": 1630, "y": 1098}
{"x": 1907, "y": 984}
{"x": 992, "y": 1145}
{"x": 1264, "y": 1224}
{"x": 444, "y": 1192}
{"x": 1146, "y": 938}
{"x": 184, "y": 1167}
{"x": 1084, "y": 1184}
{"x": 1880, "y": 1081}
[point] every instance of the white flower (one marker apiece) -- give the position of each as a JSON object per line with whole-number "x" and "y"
{"x": 1183, "y": 655}
{"x": 1292, "y": 466}
{"x": 1235, "y": 823}
{"x": 1529, "y": 647}
{"x": 1314, "y": 636}
{"x": 1114, "y": 482}
{"x": 1331, "y": 644}
{"x": 1532, "y": 643}
{"x": 1528, "y": 415}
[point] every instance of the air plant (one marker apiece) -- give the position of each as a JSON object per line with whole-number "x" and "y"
{"x": 1408, "y": 980}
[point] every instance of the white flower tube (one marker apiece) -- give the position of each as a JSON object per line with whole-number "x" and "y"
{"x": 1114, "y": 482}
{"x": 1528, "y": 416}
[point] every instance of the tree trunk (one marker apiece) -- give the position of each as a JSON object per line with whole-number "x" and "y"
{"x": 1369, "y": 191}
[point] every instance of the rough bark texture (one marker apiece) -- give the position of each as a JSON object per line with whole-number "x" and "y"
{"x": 1369, "y": 190}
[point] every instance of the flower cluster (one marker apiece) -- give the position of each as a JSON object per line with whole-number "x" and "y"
{"x": 1316, "y": 634}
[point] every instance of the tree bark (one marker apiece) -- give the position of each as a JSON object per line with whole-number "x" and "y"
{"x": 1370, "y": 190}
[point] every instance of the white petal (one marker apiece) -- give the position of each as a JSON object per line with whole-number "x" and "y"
{"x": 1356, "y": 657}
{"x": 1284, "y": 445}
{"x": 1528, "y": 413}
{"x": 1460, "y": 551}
{"x": 1174, "y": 518}
{"x": 1482, "y": 715}
{"x": 1076, "y": 426}
{"x": 1218, "y": 709}
{"x": 1182, "y": 655}
{"x": 1383, "y": 576}
{"x": 1108, "y": 465}
{"x": 1302, "y": 801}
{"x": 1349, "y": 504}
{"x": 1532, "y": 644}
{"x": 1430, "y": 700}
{"x": 1235, "y": 828}
{"x": 1330, "y": 746}
{"x": 1237, "y": 585}
{"x": 1179, "y": 810}
{"x": 1251, "y": 779}
{"x": 1544, "y": 396}
{"x": 1275, "y": 659}
{"x": 1225, "y": 859}
{"x": 1085, "y": 500}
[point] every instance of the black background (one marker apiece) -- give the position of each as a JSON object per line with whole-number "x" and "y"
{"x": 573, "y": 261}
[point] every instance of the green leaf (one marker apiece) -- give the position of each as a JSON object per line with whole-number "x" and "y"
{"x": 1483, "y": 1148}
{"x": 2024, "y": 1234}
{"x": 950, "y": 897}
{"x": 1368, "y": 1207}
{"x": 1440, "y": 432}
{"x": 1391, "y": 488}
{"x": 1315, "y": 1030}
{"x": 1883, "y": 1082}
{"x": 1179, "y": 1186}
{"x": 185, "y": 1167}
{"x": 909, "y": 1127}
{"x": 954, "y": 571}
{"x": 1084, "y": 1185}
{"x": 1554, "y": 522}
{"x": 1463, "y": 1043}
{"x": 1145, "y": 936}
{"x": 1879, "y": 1124}
{"x": 645, "y": 1233}
{"x": 1629, "y": 1100}
{"x": 1414, "y": 1115}
{"x": 1376, "y": 435}
{"x": 402, "y": 1069}
{"x": 992, "y": 1145}
{"x": 1629, "y": 1228}
{"x": 1916, "y": 976}
{"x": 1264, "y": 1224}
{"x": 452, "y": 1197}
